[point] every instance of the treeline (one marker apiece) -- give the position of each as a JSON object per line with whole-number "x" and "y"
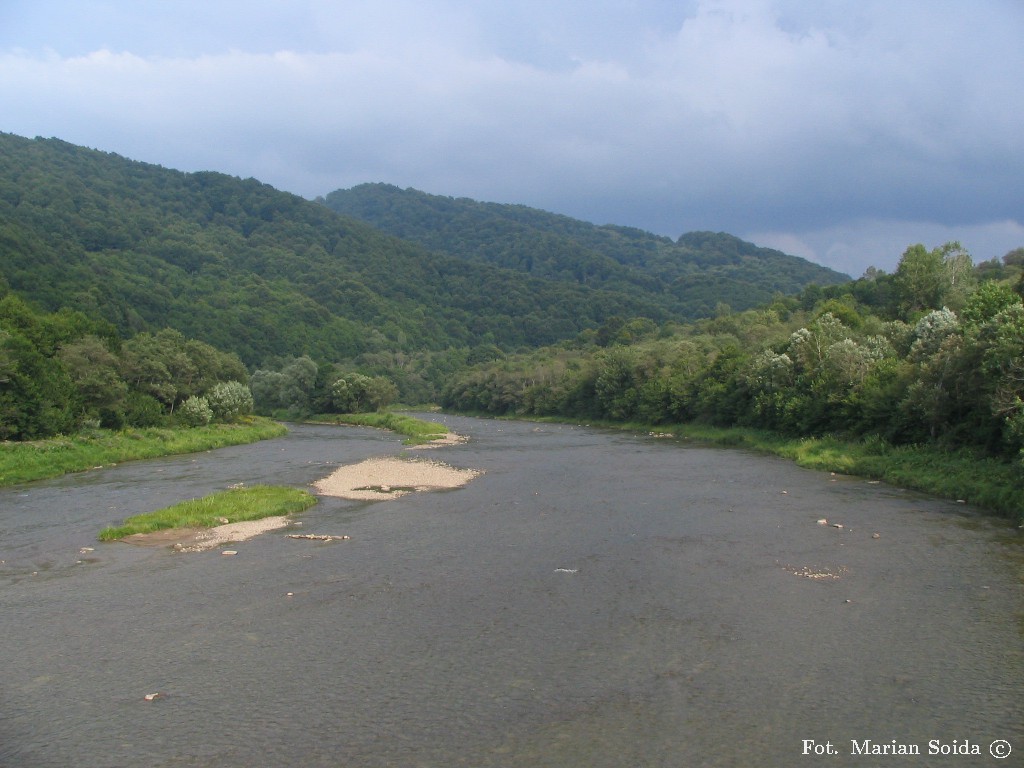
{"x": 297, "y": 387}
{"x": 61, "y": 373}
{"x": 933, "y": 353}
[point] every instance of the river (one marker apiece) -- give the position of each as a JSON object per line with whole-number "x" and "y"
{"x": 594, "y": 599}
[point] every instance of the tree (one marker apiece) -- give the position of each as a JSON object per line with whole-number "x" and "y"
{"x": 355, "y": 393}
{"x": 36, "y": 393}
{"x": 93, "y": 369}
{"x": 146, "y": 365}
{"x": 988, "y": 301}
{"x": 932, "y": 279}
{"x": 298, "y": 383}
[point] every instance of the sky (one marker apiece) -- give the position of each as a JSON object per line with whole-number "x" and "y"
{"x": 839, "y": 131}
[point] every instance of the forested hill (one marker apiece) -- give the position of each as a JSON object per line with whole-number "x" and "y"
{"x": 689, "y": 277}
{"x": 256, "y": 271}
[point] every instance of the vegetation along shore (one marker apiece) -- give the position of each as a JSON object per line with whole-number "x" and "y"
{"x": 21, "y": 462}
{"x": 145, "y": 311}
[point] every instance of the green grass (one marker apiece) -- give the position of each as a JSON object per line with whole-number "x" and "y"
{"x": 959, "y": 474}
{"x": 235, "y": 505}
{"x": 417, "y": 431}
{"x": 38, "y": 459}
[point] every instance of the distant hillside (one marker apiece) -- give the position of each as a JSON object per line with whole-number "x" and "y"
{"x": 688, "y": 277}
{"x": 256, "y": 271}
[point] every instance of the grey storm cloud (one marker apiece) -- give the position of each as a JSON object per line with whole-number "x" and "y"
{"x": 838, "y": 131}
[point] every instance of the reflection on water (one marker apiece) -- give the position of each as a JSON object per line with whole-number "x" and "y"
{"x": 594, "y": 599}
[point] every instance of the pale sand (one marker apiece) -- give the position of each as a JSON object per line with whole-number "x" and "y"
{"x": 438, "y": 442}
{"x": 390, "y": 478}
{"x": 197, "y": 540}
{"x": 370, "y": 480}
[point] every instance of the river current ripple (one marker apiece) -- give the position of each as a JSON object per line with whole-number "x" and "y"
{"x": 593, "y": 599}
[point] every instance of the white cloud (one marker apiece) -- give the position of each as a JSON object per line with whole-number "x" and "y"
{"x": 854, "y": 246}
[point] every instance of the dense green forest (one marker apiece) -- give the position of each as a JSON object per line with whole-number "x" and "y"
{"x": 64, "y": 372}
{"x": 253, "y": 270}
{"x": 276, "y": 279}
{"x": 688, "y": 278}
{"x": 932, "y": 354}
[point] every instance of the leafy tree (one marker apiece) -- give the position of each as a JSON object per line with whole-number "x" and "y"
{"x": 298, "y": 383}
{"x": 354, "y": 393}
{"x": 927, "y": 280}
{"x": 36, "y": 394}
{"x": 93, "y": 369}
{"x": 266, "y": 387}
{"x": 987, "y": 301}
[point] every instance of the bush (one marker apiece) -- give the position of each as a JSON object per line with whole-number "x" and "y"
{"x": 143, "y": 410}
{"x": 230, "y": 400}
{"x": 195, "y": 412}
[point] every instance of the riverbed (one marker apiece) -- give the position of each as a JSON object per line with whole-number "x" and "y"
{"x": 593, "y": 598}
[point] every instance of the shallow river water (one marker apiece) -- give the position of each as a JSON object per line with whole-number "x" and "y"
{"x": 593, "y": 599}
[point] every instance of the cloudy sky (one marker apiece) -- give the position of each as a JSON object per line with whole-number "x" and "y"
{"x": 841, "y": 131}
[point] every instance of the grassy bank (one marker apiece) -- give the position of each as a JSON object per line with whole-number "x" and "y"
{"x": 232, "y": 506}
{"x": 958, "y": 475}
{"x": 35, "y": 460}
{"x": 416, "y": 431}
{"x": 963, "y": 475}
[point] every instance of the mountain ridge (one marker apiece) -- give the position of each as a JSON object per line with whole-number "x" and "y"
{"x": 556, "y": 246}
{"x": 265, "y": 273}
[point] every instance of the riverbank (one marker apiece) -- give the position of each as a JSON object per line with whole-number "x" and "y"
{"x": 962, "y": 475}
{"x": 418, "y": 432}
{"x": 40, "y": 459}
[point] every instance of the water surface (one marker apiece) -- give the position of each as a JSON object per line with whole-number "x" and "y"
{"x": 594, "y": 599}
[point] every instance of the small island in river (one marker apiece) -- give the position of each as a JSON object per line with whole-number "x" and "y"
{"x": 390, "y": 478}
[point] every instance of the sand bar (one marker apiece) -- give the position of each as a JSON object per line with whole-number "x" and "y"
{"x": 198, "y": 539}
{"x": 390, "y": 478}
{"x": 449, "y": 438}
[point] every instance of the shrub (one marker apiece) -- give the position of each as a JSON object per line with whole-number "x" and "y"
{"x": 230, "y": 400}
{"x": 195, "y": 412}
{"x": 143, "y": 410}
